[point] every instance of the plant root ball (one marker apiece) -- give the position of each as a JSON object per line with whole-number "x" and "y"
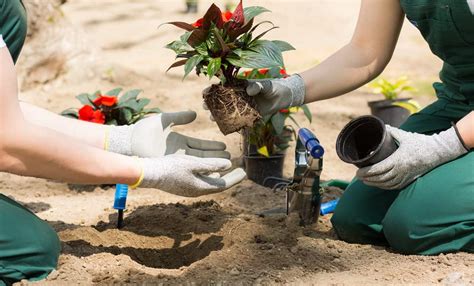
{"x": 231, "y": 107}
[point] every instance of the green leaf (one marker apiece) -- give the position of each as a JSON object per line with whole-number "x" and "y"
{"x": 112, "y": 122}
{"x": 84, "y": 99}
{"x": 278, "y": 122}
{"x": 114, "y": 92}
{"x": 152, "y": 110}
{"x": 284, "y": 46}
{"x": 192, "y": 63}
{"x": 142, "y": 103}
{"x": 131, "y": 104}
{"x": 93, "y": 97}
{"x": 70, "y": 112}
{"x": 129, "y": 95}
{"x": 202, "y": 49}
{"x": 263, "y": 34}
{"x": 307, "y": 113}
{"x": 253, "y": 11}
{"x": 253, "y": 60}
{"x": 179, "y": 47}
{"x": 213, "y": 67}
{"x": 125, "y": 115}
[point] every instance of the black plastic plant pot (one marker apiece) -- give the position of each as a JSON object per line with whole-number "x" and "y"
{"x": 390, "y": 114}
{"x": 259, "y": 168}
{"x": 365, "y": 141}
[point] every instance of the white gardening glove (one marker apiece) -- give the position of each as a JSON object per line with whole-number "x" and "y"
{"x": 188, "y": 176}
{"x": 417, "y": 154}
{"x": 276, "y": 94}
{"x": 272, "y": 95}
{"x": 152, "y": 137}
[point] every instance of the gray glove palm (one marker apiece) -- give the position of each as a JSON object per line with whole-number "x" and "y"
{"x": 276, "y": 94}
{"x": 417, "y": 154}
{"x": 188, "y": 176}
{"x": 152, "y": 137}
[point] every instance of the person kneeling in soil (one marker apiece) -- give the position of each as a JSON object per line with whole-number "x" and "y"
{"x": 420, "y": 200}
{"x": 35, "y": 142}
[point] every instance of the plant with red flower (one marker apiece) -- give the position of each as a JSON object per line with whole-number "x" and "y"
{"x": 219, "y": 45}
{"x": 110, "y": 108}
{"x": 271, "y": 134}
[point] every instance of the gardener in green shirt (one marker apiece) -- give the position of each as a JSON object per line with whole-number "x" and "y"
{"x": 35, "y": 142}
{"x": 420, "y": 200}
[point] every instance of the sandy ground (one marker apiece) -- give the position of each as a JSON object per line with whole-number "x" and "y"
{"x": 218, "y": 239}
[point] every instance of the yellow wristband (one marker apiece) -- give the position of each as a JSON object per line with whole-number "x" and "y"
{"x": 106, "y": 139}
{"x": 140, "y": 179}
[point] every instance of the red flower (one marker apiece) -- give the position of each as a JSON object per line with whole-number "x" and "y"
{"x": 283, "y": 72}
{"x": 87, "y": 113}
{"x": 198, "y": 23}
{"x": 263, "y": 71}
{"x": 284, "y": 111}
{"x": 247, "y": 73}
{"x": 226, "y": 16}
{"x": 105, "y": 100}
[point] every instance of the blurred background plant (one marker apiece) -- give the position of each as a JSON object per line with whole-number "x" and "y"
{"x": 111, "y": 108}
{"x": 393, "y": 110}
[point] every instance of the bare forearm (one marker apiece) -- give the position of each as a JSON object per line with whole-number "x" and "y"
{"x": 466, "y": 129}
{"x": 346, "y": 70}
{"x": 89, "y": 133}
{"x": 33, "y": 150}
{"x": 364, "y": 58}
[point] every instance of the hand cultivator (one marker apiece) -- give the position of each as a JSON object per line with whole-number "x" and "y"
{"x": 304, "y": 191}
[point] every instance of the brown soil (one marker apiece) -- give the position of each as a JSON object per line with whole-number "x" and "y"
{"x": 231, "y": 107}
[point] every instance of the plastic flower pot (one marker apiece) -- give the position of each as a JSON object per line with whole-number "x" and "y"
{"x": 390, "y": 114}
{"x": 365, "y": 141}
{"x": 259, "y": 168}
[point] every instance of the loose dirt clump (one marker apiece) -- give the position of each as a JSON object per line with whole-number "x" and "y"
{"x": 231, "y": 107}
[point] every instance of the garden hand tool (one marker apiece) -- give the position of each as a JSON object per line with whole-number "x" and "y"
{"x": 276, "y": 94}
{"x": 121, "y": 192}
{"x": 416, "y": 155}
{"x": 152, "y": 137}
{"x": 304, "y": 192}
{"x": 188, "y": 176}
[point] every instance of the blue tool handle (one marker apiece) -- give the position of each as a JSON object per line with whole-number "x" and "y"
{"x": 311, "y": 143}
{"x": 120, "y": 201}
{"x": 329, "y": 207}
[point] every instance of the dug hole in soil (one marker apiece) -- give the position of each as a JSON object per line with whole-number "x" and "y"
{"x": 231, "y": 107}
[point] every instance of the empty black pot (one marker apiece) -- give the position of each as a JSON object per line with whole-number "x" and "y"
{"x": 364, "y": 141}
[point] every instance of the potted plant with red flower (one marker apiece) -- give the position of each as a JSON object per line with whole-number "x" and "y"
{"x": 219, "y": 45}
{"x": 111, "y": 108}
{"x": 265, "y": 143}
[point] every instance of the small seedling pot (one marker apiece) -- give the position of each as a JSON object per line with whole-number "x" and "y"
{"x": 365, "y": 141}
{"x": 259, "y": 168}
{"x": 390, "y": 114}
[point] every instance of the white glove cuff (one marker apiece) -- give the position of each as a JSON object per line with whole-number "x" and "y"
{"x": 2, "y": 43}
{"x": 119, "y": 140}
{"x": 298, "y": 89}
{"x": 453, "y": 143}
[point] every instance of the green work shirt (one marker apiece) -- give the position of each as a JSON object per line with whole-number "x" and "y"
{"x": 448, "y": 27}
{"x": 13, "y": 25}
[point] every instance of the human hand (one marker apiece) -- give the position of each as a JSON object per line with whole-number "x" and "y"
{"x": 417, "y": 154}
{"x": 188, "y": 176}
{"x": 152, "y": 137}
{"x": 273, "y": 95}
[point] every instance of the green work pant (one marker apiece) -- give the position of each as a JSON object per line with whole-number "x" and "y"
{"x": 434, "y": 214}
{"x": 29, "y": 247}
